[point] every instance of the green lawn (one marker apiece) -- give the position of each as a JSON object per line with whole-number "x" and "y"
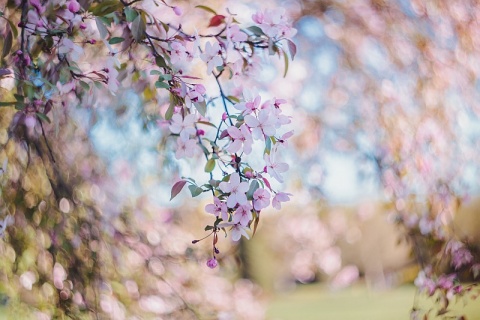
{"x": 316, "y": 302}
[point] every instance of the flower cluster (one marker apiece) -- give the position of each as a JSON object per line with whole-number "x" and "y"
{"x": 56, "y": 37}
{"x": 65, "y": 54}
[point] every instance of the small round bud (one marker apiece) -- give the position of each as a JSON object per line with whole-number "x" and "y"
{"x": 212, "y": 263}
{"x": 73, "y": 6}
{"x": 177, "y": 10}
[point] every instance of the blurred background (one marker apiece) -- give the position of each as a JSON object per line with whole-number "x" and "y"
{"x": 384, "y": 103}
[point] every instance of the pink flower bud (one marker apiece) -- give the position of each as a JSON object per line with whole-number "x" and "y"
{"x": 73, "y": 6}
{"x": 83, "y": 26}
{"x": 248, "y": 174}
{"x": 178, "y": 11}
{"x": 212, "y": 263}
{"x": 177, "y": 109}
{"x": 224, "y": 116}
{"x": 200, "y": 132}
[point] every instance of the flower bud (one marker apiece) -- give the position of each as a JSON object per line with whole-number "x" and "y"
{"x": 73, "y": 6}
{"x": 177, "y": 10}
{"x": 212, "y": 263}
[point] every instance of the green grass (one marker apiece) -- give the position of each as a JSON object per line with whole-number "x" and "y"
{"x": 316, "y": 302}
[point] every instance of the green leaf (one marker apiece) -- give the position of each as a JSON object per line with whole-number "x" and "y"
{"x": 204, "y": 149}
{"x": 194, "y": 190}
{"x": 208, "y": 228}
{"x": 160, "y": 61}
{"x": 234, "y": 99}
{"x": 165, "y": 26}
{"x": 177, "y": 187}
{"x": 201, "y": 107}
{"x": 7, "y": 44}
{"x": 130, "y": 14}
{"x": 253, "y": 186}
{"x": 139, "y": 26}
{"x": 43, "y": 117}
{"x": 255, "y": 224}
{"x": 155, "y": 72}
{"x": 84, "y": 85}
{"x": 169, "y": 112}
{"x": 207, "y": 124}
{"x": 208, "y": 9}
{"x": 292, "y": 48}
{"x": 28, "y": 90}
{"x": 116, "y": 40}
{"x": 285, "y": 57}
{"x": 268, "y": 146}
{"x": 256, "y": 31}
{"x": 13, "y": 28}
{"x": 19, "y": 105}
{"x": 105, "y": 7}
{"x": 162, "y": 85}
{"x": 210, "y": 165}
{"x": 98, "y": 84}
{"x": 19, "y": 97}
{"x": 271, "y": 47}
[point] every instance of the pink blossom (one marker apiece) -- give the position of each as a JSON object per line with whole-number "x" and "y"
{"x": 237, "y": 190}
{"x": 234, "y": 33}
{"x": 461, "y": 257}
{"x": 178, "y": 52}
{"x": 218, "y": 207}
{"x": 66, "y": 46}
{"x": 212, "y": 56}
{"x": 262, "y": 126}
{"x": 446, "y": 281}
{"x": 185, "y": 148}
{"x": 183, "y": 126}
{"x": 241, "y": 139}
{"x": 237, "y": 230}
{"x": 196, "y": 94}
{"x": 283, "y": 140}
{"x": 236, "y": 69}
{"x": 274, "y": 23}
{"x": 261, "y": 199}
{"x": 249, "y": 106}
{"x": 243, "y": 215}
{"x": 274, "y": 168}
{"x": 279, "y": 198}
{"x": 212, "y": 263}
{"x": 425, "y": 283}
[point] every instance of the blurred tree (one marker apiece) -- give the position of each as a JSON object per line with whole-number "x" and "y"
{"x": 394, "y": 85}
